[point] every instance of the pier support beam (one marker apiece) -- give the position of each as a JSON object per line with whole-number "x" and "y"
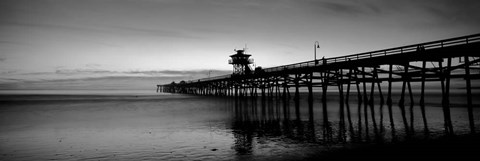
{"x": 310, "y": 88}
{"x": 365, "y": 103}
{"x": 347, "y": 96}
{"x": 297, "y": 86}
{"x": 445, "y": 83}
{"x": 469, "y": 95}
{"x": 389, "y": 95}
{"x": 372, "y": 107}
{"x": 404, "y": 83}
{"x": 342, "y": 129}
{"x": 327, "y": 133}
{"x": 359, "y": 108}
{"x": 422, "y": 97}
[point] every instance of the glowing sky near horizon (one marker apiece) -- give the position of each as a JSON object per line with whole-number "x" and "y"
{"x": 75, "y": 39}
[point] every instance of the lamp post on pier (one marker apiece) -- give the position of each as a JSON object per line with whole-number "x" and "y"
{"x": 315, "y": 46}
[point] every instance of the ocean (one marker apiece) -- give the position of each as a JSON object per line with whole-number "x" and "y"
{"x": 144, "y": 125}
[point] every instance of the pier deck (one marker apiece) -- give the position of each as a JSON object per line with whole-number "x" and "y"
{"x": 436, "y": 61}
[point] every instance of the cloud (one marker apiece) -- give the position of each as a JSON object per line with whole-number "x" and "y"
{"x": 345, "y": 8}
{"x": 10, "y": 42}
{"x": 182, "y": 73}
{"x": 101, "y": 83}
{"x": 97, "y": 83}
{"x": 49, "y": 26}
{"x": 93, "y": 70}
{"x": 92, "y": 77}
{"x": 155, "y": 32}
{"x": 341, "y": 8}
{"x": 93, "y": 30}
{"x": 82, "y": 71}
{"x": 451, "y": 12}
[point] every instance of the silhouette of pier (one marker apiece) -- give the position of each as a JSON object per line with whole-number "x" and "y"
{"x": 359, "y": 75}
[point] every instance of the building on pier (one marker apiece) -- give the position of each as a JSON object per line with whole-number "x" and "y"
{"x": 241, "y": 63}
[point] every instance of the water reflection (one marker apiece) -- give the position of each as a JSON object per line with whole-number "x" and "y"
{"x": 276, "y": 121}
{"x": 263, "y": 120}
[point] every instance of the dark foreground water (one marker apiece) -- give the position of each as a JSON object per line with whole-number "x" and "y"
{"x": 46, "y": 126}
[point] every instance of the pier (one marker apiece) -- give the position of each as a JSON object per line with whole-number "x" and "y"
{"x": 365, "y": 75}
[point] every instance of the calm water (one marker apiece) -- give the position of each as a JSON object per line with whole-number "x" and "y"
{"x": 148, "y": 126}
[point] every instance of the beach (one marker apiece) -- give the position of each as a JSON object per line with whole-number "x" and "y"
{"x": 185, "y": 127}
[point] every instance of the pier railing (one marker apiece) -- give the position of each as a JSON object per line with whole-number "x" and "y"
{"x": 366, "y": 55}
{"x": 211, "y": 78}
{"x": 391, "y": 51}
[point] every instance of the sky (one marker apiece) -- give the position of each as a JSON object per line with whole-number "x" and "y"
{"x": 132, "y": 44}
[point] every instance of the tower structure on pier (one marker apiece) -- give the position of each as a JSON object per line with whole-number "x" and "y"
{"x": 241, "y": 63}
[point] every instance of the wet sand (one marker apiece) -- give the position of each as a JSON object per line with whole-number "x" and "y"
{"x": 446, "y": 147}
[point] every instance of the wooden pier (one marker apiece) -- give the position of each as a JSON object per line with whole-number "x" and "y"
{"x": 363, "y": 73}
